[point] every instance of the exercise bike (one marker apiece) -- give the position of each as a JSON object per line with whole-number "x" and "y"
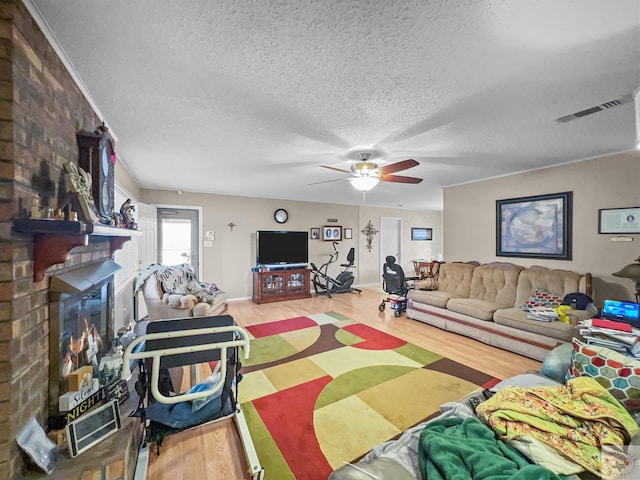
{"x": 324, "y": 284}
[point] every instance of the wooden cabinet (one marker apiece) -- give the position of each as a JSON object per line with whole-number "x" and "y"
{"x": 278, "y": 285}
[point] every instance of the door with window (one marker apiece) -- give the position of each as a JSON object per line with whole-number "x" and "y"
{"x": 178, "y": 237}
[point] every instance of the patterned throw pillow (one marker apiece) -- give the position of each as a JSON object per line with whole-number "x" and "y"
{"x": 619, "y": 374}
{"x": 541, "y": 299}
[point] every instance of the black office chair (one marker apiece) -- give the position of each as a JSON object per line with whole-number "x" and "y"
{"x": 394, "y": 282}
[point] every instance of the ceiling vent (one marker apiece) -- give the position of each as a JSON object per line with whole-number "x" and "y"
{"x": 595, "y": 109}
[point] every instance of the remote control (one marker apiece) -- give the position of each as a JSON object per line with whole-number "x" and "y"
{"x": 488, "y": 393}
{"x": 474, "y": 402}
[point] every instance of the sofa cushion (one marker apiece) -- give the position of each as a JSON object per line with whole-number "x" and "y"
{"x": 557, "y": 282}
{"x": 474, "y": 308}
{"x": 495, "y": 283}
{"x": 517, "y": 318}
{"x": 435, "y": 298}
{"x": 455, "y": 278}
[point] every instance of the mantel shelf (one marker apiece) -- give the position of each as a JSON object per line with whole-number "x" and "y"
{"x": 54, "y": 239}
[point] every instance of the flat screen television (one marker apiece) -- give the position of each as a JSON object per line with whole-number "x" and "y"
{"x": 282, "y": 248}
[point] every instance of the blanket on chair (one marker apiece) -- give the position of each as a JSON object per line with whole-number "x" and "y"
{"x": 179, "y": 279}
{"x": 578, "y": 420}
{"x": 465, "y": 448}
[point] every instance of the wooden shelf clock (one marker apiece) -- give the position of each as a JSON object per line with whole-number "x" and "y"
{"x": 97, "y": 157}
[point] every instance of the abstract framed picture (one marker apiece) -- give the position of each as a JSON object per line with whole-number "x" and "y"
{"x": 535, "y": 227}
{"x": 315, "y": 233}
{"x": 619, "y": 220}
{"x": 332, "y": 233}
{"x": 419, "y": 233}
{"x": 348, "y": 233}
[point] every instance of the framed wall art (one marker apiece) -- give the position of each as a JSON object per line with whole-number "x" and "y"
{"x": 419, "y": 233}
{"x": 315, "y": 234}
{"x": 619, "y": 220}
{"x": 332, "y": 233}
{"x": 348, "y": 233}
{"x": 535, "y": 227}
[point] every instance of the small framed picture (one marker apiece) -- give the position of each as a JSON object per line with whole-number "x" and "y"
{"x": 332, "y": 233}
{"x": 348, "y": 233}
{"x": 419, "y": 233}
{"x": 619, "y": 220}
{"x": 315, "y": 233}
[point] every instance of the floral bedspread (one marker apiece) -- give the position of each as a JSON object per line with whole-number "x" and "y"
{"x": 577, "y": 419}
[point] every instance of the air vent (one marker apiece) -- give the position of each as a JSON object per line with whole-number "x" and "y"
{"x": 596, "y": 109}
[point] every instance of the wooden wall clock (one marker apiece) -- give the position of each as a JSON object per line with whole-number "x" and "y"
{"x": 96, "y": 156}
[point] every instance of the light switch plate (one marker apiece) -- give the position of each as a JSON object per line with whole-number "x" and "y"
{"x": 208, "y": 243}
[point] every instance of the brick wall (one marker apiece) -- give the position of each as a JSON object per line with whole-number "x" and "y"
{"x": 41, "y": 109}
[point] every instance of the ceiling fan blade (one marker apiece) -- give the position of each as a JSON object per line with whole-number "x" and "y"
{"x": 399, "y": 166}
{"x": 400, "y": 179}
{"x": 335, "y": 169}
{"x": 327, "y": 181}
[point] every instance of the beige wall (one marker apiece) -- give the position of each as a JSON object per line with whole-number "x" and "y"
{"x": 228, "y": 263}
{"x": 608, "y": 182}
{"x": 369, "y": 267}
{"x": 124, "y": 180}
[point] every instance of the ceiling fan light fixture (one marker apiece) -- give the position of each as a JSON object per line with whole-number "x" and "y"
{"x": 364, "y": 184}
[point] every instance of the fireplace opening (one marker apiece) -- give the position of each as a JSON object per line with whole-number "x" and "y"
{"x": 82, "y": 323}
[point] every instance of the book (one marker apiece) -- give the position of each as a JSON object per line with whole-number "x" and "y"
{"x": 543, "y": 314}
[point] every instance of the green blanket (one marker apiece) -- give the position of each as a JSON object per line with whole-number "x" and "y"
{"x": 456, "y": 448}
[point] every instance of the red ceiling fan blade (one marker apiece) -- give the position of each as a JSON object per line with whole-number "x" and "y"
{"x": 335, "y": 169}
{"x": 400, "y": 179}
{"x": 399, "y": 166}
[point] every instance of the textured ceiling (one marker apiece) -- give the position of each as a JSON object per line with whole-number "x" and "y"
{"x": 249, "y": 98}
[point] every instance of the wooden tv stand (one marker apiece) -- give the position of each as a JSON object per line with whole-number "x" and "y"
{"x": 278, "y": 285}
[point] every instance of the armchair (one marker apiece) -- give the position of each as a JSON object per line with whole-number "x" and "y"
{"x": 173, "y": 292}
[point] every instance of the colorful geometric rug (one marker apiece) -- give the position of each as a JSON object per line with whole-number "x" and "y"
{"x": 321, "y": 390}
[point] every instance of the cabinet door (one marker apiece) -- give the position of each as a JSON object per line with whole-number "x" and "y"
{"x": 296, "y": 283}
{"x": 273, "y": 285}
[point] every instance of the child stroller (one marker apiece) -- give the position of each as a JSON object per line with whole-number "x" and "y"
{"x": 395, "y": 283}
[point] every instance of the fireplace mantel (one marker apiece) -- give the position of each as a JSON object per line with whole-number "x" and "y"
{"x": 54, "y": 239}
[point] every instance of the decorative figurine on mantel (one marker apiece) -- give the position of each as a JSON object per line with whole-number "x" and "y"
{"x": 126, "y": 211}
{"x": 78, "y": 182}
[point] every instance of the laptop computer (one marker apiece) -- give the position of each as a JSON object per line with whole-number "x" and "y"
{"x": 618, "y": 311}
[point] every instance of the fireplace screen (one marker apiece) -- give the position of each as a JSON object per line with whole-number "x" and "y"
{"x": 84, "y": 332}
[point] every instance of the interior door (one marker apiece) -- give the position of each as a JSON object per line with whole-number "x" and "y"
{"x": 178, "y": 237}
{"x": 390, "y": 240}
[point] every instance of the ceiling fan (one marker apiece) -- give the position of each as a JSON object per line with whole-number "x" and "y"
{"x": 367, "y": 174}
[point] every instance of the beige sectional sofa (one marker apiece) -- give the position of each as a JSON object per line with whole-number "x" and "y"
{"x": 485, "y": 302}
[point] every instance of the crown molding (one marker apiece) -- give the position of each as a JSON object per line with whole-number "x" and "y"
{"x": 35, "y": 12}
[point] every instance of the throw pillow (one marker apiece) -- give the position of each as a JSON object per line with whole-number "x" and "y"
{"x": 619, "y": 374}
{"x": 557, "y": 362}
{"x": 541, "y": 299}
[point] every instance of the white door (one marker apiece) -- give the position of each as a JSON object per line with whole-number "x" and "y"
{"x": 148, "y": 225}
{"x": 147, "y": 248}
{"x": 390, "y": 240}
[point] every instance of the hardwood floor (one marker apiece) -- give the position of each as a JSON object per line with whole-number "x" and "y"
{"x": 215, "y": 452}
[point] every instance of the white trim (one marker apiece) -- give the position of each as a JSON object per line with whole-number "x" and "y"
{"x": 35, "y": 12}
{"x": 143, "y": 463}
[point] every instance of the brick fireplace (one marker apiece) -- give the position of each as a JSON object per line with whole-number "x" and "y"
{"x": 41, "y": 109}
